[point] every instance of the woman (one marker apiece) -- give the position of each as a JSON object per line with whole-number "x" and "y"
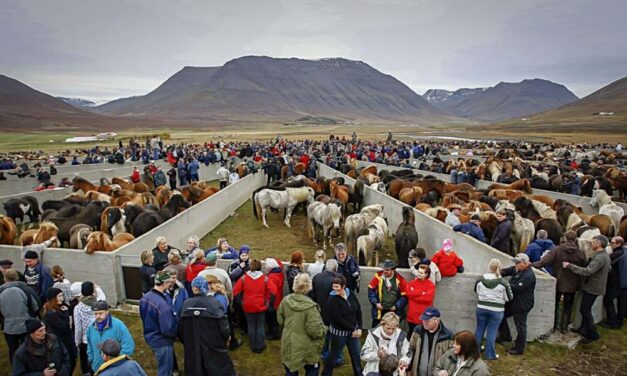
{"x": 257, "y": 293}
{"x": 463, "y": 359}
{"x": 193, "y": 243}
{"x": 223, "y": 250}
{"x": 217, "y": 290}
{"x": 345, "y": 321}
{"x": 294, "y": 268}
{"x": 147, "y": 271}
{"x": 303, "y": 329}
{"x": 57, "y": 318}
{"x": 83, "y": 317}
{"x": 420, "y": 294}
{"x": 384, "y": 340}
{"x": 492, "y": 292}
{"x": 58, "y": 276}
{"x": 197, "y": 264}
{"x": 418, "y": 256}
{"x": 176, "y": 265}
{"x": 274, "y": 270}
{"x": 161, "y": 252}
{"x": 237, "y": 269}
{"x": 318, "y": 266}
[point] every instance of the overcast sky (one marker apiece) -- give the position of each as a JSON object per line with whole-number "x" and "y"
{"x": 113, "y": 48}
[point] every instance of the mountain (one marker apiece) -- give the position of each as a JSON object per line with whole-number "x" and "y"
{"x": 264, "y": 89}
{"x": 78, "y": 102}
{"x": 503, "y": 101}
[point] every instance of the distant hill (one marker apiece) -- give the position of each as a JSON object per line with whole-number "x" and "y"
{"x": 78, "y": 102}
{"x": 257, "y": 88}
{"x": 503, "y": 101}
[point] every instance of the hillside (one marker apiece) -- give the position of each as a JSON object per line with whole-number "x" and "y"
{"x": 267, "y": 89}
{"x": 447, "y": 100}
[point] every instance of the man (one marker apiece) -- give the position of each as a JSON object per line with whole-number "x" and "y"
{"x": 116, "y": 364}
{"x": 452, "y": 217}
{"x": 233, "y": 176}
{"x": 18, "y": 302}
{"x": 204, "y": 331}
{"x": 41, "y": 353}
{"x": 159, "y": 178}
{"x": 223, "y": 176}
{"x": 212, "y": 269}
{"x": 616, "y": 285}
{"x": 594, "y": 285}
{"x": 503, "y": 233}
{"x": 567, "y": 281}
{"x": 523, "y": 285}
{"x": 160, "y": 326}
{"x": 538, "y": 247}
{"x": 386, "y": 292}
{"x": 322, "y": 285}
{"x": 106, "y": 327}
{"x": 348, "y": 267}
{"x": 6, "y": 265}
{"x": 37, "y": 275}
{"x": 472, "y": 228}
{"x": 429, "y": 341}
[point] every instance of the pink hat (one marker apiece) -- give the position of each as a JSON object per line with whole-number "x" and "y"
{"x": 447, "y": 245}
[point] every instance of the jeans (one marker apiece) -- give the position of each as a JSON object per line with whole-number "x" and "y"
{"x": 13, "y": 342}
{"x": 310, "y": 370}
{"x": 567, "y": 311}
{"x": 615, "y": 315}
{"x": 256, "y": 331}
{"x": 156, "y": 153}
{"x": 222, "y": 184}
{"x": 325, "y": 350}
{"x": 520, "y": 321}
{"x": 587, "y": 329}
{"x": 337, "y": 346}
{"x": 165, "y": 360}
{"x": 490, "y": 321}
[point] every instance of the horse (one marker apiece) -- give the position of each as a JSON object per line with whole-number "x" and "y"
{"x": 380, "y": 187}
{"x": 528, "y": 210}
{"x": 149, "y": 219}
{"x": 82, "y": 184}
{"x": 410, "y": 196}
{"x": 622, "y": 231}
{"x": 46, "y": 231}
{"x": 97, "y": 196}
{"x": 242, "y": 170}
{"x": 584, "y": 241}
{"x": 196, "y": 194}
{"x": 523, "y": 229}
{"x": 140, "y": 187}
{"x": 356, "y": 222}
{"x": 406, "y": 237}
{"x": 19, "y": 207}
{"x": 356, "y": 195}
{"x": 327, "y": 216}
{"x": 163, "y": 194}
{"x": 606, "y": 206}
{"x": 8, "y": 230}
{"x": 112, "y": 221}
{"x": 520, "y": 185}
{"x": 505, "y": 194}
{"x": 370, "y": 240}
{"x": 99, "y": 241}
{"x": 544, "y": 210}
{"x": 281, "y": 199}
{"x": 78, "y": 235}
{"x": 90, "y": 215}
{"x": 340, "y": 193}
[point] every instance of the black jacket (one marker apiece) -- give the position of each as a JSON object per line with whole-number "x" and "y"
{"x": 344, "y": 314}
{"x": 32, "y": 358}
{"x": 614, "y": 278}
{"x": 523, "y": 285}
{"x": 322, "y": 283}
{"x": 501, "y": 237}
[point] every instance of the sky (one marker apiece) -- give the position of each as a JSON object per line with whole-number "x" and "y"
{"x": 116, "y": 48}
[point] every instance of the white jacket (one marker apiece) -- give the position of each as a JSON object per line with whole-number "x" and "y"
{"x": 372, "y": 344}
{"x": 493, "y": 292}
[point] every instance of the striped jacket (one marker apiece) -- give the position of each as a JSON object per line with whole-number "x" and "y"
{"x": 492, "y": 292}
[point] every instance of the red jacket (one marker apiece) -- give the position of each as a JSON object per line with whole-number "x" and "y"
{"x": 135, "y": 176}
{"x": 447, "y": 262}
{"x": 193, "y": 269}
{"x": 257, "y": 290}
{"x": 277, "y": 276}
{"x": 420, "y": 294}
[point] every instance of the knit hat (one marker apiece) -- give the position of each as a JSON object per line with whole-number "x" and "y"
{"x": 244, "y": 249}
{"x": 271, "y": 263}
{"x": 6, "y": 263}
{"x": 87, "y": 288}
{"x": 201, "y": 284}
{"x": 31, "y": 255}
{"x": 32, "y": 325}
{"x": 447, "y": 245}
{"x": 75, "y": 289}
{"x": 52, "y": 293}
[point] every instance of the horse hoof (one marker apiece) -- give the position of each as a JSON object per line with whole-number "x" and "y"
{"x": 266, "y": 226}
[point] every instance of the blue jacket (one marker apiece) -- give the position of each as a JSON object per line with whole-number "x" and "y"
{"x": 472, "y": 230}
{"x": 177, "y": 299}
{"x": 160, "y": 324}
{"x": 350, "y": 270}
{"x": 45, "y": 280}
{"x": 536, "y": 248}
{"x": 114, "y": 329}
{"x": 192, "y": 167}
{"x": 121, "y": 366}
{"x": 230, "y": 254}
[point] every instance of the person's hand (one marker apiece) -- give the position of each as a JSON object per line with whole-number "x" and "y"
{"x": 402, "y": 365}
{"x": 381, "y": 352}
{"x": 50, "y": 372}
{"x": 356, "y": 333}
{"x": 565, "y": 264}
{"x": 242, "y": 265}
{"x": 53, "y": 239}
{"x": 379, "y": 306}
{"x": 443, "y": 373}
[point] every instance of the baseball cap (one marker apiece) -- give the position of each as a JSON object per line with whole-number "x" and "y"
{"x": 211, "y": 257}
{"x": 521, "y": 257}
{"x": 100, "y": 305}
{"x": 430, "y": 313}
{"x": 388, "y": 264}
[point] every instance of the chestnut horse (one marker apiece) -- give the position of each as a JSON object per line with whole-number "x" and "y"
{"x": 520, "y": 185}
{"x": 99, "y": 241}
{"x": 8, "y": 230}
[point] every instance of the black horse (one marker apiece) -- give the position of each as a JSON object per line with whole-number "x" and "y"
{"x": 406, "y": 237}
{"x": 149, "y": 219}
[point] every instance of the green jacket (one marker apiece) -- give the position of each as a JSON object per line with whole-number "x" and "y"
{"x": 448, "y": 362}
{"x": 303, "y": 331}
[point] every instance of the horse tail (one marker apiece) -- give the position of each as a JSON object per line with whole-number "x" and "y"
{"x": 611, "y": 230}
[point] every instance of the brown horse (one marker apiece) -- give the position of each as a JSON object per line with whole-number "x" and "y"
{"x": 543, "y": 199}
{"x": 299, "y": 169}
{"x": 195, "y": 195}
{"x": 8, "y": 230}
{"x": 99, "y": 241}
{"x": 622, "y": 231}
{"x": 324, "y": 199}
{"x": 339, "y": 193}
{"x": 82, "y": 184}
{"x": 458, "y": 187}
{"x": 163, "y": 195}
{"x": 520, "y": 185}
{"x": 427, "y": 185}
{"x": 241, "y": 170}
{"x": 317, "y": 185}
{"x": 125, "y": 184}
{"x": 46, "y": 231}
{"x": 505, "y": 194}
{"x": 410, "y": 195}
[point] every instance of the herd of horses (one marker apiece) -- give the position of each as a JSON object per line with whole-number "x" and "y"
{"x": 98, "y": 217}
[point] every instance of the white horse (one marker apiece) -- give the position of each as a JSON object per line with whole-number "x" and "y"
{"x": 326, "y": 215}
{"x": 378, "y": 186}
{"x": 544, "y": 210}
{"x": 356, "y": 222}
{"x": 585, "y": 240}
{"x": 523, "y": 229}
{"x": 370, "y": 240}
{"x": 281, "y": 199}
{"x": 606, "y": 206}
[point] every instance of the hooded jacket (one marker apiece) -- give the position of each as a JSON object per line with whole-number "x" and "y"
{"x": 303, "y": 331}
{"x": 448, "y": 362}
{"x": 567, "y": 280}
{"x": 344, "y": 314}
{"x": 397, "y": 345}
{"x": 257, "y": 292}
{"x": 448, "y": 263}
{"x": 15, "y": 299}
{"x": 536, "y": 248}
{"x": 502, "y": 236}
{"x": 492, "y": 292}
{"x": 523, "y": 285}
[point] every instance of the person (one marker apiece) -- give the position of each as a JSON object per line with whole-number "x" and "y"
{"x": 223, "y": 250}
{"x": 204, "y": 331}
{"x": 348, "y": 267}
{"x": 18, "y": 302}
{"x": 452, "y": 217}
{"x": 493, "y": 292}
{"x": 36, "y": 274}
{"x": 429, "y": 340}
{"x": 160, "y": 324}
{"x": 212, "y": 269}
{"x": 176, "y": 265}
{"x": 345, "y": 323}
{"x": 318, "y": 265}
{"x": 303, "y": 330}
{"x": 274, "y": 270}
{"x": 322, "y": 285}
{"x": 60, "y": 282}
{"x": 233, "y": 176}
{"x": 594, "y": 284}
{"x": 57, "y": 317}
{"x": 236, "y": 271}
{"x": 385, "y": 339}
{"x": 567, "y": 281}
{"x": 447, "y": 260}
{"x": 538, "y": 247}
{"x": 104, "y": 327}
{"x": 257, "y": 293}
{"x": 41, "y": 353}
{"x": 523, "y": 285}
{"x": 147, "y": 271}
{"x": 616, "y": 285}
{"x": 172, "y": 178}
{"x": 223, "y": 176}
{"x": 420, "y": 295}
{"x": 83, "y": 317}
{"x": 160, "y": 253}
{"x": 463, "y": 359}
{"x": 135, "y": 178}
{"x": 294, "y": 268}
{"x": 6, "y": 265}
{"x": 116, "y": 364}
{"x": 159, "y": 177}
{"x": 193, "y": 243}
{"x": 417, "y": 257}
{"x": 472, "y": 228}
{"x": 386, "y": 292}
{"x": 196, "y": 265}
{"x": 501, "y": 238}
